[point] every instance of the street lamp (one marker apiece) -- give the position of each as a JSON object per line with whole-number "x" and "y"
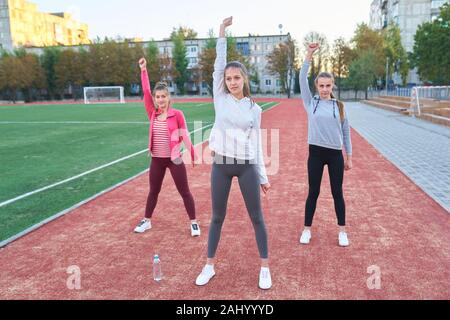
{"x": 387, "y": 74}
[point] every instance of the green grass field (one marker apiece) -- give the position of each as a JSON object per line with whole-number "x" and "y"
{"x": 43, "y": 144}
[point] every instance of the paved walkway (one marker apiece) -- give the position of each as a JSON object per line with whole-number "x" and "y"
{"x": 420, "y": 149}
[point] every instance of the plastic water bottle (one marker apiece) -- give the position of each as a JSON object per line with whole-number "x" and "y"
{"x": 157, "y": 274}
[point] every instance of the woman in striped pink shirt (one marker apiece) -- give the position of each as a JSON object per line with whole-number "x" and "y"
{"x": 167, "y": 131}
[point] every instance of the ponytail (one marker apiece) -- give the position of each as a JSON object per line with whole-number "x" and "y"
{"x": 341, "y": 107}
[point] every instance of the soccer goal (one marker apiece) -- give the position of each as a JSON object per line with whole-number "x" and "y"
{"x": 427, "y": 96}
{"x": 103, "y": 95}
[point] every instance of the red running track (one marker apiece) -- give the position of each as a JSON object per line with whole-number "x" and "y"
{"x": 392, "y": 224}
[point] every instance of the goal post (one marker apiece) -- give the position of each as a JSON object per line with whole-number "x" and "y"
{"x": 426, "y": 96}
{"x": 107, "y": 94}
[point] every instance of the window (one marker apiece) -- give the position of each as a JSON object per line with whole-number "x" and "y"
{"x": 395, "y": 9}
{"x": 268, "y": 82}
{"x": 278, "y": 83}
{"x": 396, "y": 20}
{"x": 244, "y": 48}
{"x": 436, "y": 4}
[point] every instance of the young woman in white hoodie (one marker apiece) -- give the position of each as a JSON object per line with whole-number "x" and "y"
{"x": 236, "y": 146}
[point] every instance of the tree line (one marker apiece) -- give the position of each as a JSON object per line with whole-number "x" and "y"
{"x": 357, "y": 64}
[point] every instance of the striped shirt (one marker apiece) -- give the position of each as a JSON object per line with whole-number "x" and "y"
{"x": 161, "y": 141}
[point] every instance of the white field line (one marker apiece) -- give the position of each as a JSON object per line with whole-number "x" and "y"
{"x": 2, "y": 204}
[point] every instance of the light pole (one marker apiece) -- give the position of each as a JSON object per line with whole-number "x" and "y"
{"x": 387, "y": 74}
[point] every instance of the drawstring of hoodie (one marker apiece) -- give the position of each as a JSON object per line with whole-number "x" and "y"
{"x": 334, "y": 107}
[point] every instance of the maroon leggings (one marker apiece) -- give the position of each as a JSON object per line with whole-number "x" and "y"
{"x": 156, "y": 177}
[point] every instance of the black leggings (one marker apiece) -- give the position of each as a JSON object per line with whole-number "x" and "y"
{"x": 318, "y": 158}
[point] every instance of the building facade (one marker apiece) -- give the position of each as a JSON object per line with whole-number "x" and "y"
{"x": 22, "y": 25}
{"x": 255, "y": 48}
{"x": 408, "y": 15}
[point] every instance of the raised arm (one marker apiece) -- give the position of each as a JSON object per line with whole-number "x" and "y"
{"x": 221, "y": 59}
{"x": 148, "y": 100}
{"x": 304, "y": 86}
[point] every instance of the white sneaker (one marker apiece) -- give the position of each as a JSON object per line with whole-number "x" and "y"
{"x": 306, "y": 237}
{"x": 206, "y": 275}
{"x": 343, "y": 239}
{"x": 265, "y": 280}
{"x": 195, "y": 229}
{"x": 143, "y": 225}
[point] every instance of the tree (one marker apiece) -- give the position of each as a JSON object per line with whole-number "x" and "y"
{"x": 70, "y": 72}
{"x": 181, "y": 62}
{"x": 362, "y": 72}
{"x": 394, "y": 50}
{"x": 184, "y": 32}
{"x": 431, "y": 53}
{"x": 49, "y": 58}
{"x": 35, "y": 75}
{"x": 254, "y": 78}
{"x": 14, "y": 76}
{"x": 320, "y": 58}
{"x": 153, "y": 63}
{"x": 167, "y": 70}
{"x": 341, "y": 58}
{"x": 282, "y": 61}
{"x": 365, "y": 40}
{"x": 208, "y": 57}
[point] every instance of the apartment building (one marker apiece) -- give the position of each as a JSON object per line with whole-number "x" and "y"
{"x": 254, "y": 47}
{"x": 408, "y": 15}
{"x": 23, "y": 25}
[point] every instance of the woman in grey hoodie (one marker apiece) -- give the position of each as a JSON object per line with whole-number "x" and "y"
{"x": 328, "y": 131}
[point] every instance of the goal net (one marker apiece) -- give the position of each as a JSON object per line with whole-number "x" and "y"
{"x": 103, "y": 95}
{"x": 427, "y": 97}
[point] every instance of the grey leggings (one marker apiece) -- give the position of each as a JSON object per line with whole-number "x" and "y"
{"x": 223, "y": 171}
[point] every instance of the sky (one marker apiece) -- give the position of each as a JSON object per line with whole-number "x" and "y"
{"x": 155, "y": 19}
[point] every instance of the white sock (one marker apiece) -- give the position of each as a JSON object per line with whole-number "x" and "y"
{"x": 209, "y": 267}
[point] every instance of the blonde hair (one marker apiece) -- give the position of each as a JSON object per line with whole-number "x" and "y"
{"x": 244, "y": 73}
{"x": 161, "y": 86}
{"x": 340, "y": 104}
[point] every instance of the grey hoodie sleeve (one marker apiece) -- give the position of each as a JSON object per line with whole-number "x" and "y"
{"x": 304, "y": 86}
{"x": 346, "y": 135}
